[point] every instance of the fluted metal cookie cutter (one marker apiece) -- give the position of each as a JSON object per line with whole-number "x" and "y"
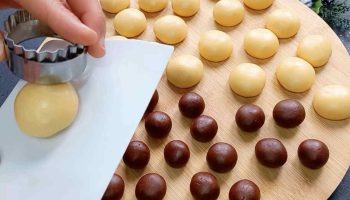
{"x": 40, "y": 67}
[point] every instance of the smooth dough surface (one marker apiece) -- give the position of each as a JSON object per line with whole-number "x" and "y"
{"x": 283, "y": 23}
{"x": 152, "y": 5}
{"x": 130, "y": 22}
{"x": 114, "y": 6}
{"x": 118, "y": 37}
{"x": 170, "y": 29}
{"x": 247, "y": 80}
{"x": 184, "y": 71}
{"x": 228, "y": 12}
{"x": 258, "y": 4}
{"x": 261, "y": 43}
{"x": 44, "y": 110}
{"x": 333, "y": 102}
{"x": 295, "y": 74}
{"x": 185, "y": 8}
{"x": 315, "y": 49}
{"x": 215, "y": 46}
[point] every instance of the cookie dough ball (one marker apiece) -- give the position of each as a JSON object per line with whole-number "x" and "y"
{"x": 215, "y": 46}
{"x": 114, "y": 6}
{"x": 247, "y": 80}
{"x": 283, "y": 23}
{"x": 333, "y": 102}
{"x": 130, "y": 22}
{"x": 184, "y": 71}
{"x": 170, "y": 29}
{"x": 44, "y": 110}
{"x": 258, "y": 4}
{"x": 295, "y": 74}
{"x": 152, "y": 5}
{"x": 228, "y": 12}
{"x": 261, "y": 43}
{"x": 315, "y": 49}
{"x": 185, "y": 8}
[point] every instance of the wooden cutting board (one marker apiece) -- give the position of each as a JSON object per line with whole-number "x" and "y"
{"x": 292, "y": 181}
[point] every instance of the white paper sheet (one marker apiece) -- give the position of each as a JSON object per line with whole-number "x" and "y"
{"x": 79, "y": 162}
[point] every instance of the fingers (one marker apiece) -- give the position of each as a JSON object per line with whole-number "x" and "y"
{"x": 90, "y": 13}
{"x": 8, "y": 4}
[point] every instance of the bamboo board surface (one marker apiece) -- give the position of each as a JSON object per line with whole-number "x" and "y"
{"x": 292, "y": 181}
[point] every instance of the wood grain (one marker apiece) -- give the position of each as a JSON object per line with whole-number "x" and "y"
{"x": 292, "y": 181}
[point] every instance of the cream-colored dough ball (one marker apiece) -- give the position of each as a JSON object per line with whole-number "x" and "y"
{"x": 44, "y": 110}
{"x": 295, "y": 74}
{"x": 333, "y": 102}
{"x": 130, "y": 22}
{"x": 118, "y": 37}
{"x": 283, "y": 23}
{"x": 228, "y": 12}
{"x": 184, "y": 71}
{"x": 152, "y": 5}
{"x": 315, "y": 49}
{"x": 114, "y": 6}
{"x": 185, "y": 8}
{"x": 247, "y": 80}
{"x": 170, "y": 29}
{"x": 215, "y": 46}
{"x": 258, "y": 4}
{"x": 261, "y": 43}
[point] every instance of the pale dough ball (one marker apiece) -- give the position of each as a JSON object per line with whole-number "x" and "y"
{"x": 130, "y": 22}
{"x": 228, "y": 12}
{"x": 114, "y": 6}
{"x": 118, "y": 37}
{"x": 295, "y": 74}
{"x": 247, "y": 80}
{"x": 315, "y": 49}
{"x": 185, "y": 8}
{"x": 261, "y": 43}
{"x": 184, "y": 71}
{"x": 152, "y": 5}
{"x": 258, "y": 4}
{"x": 170, "y": 29}
{"x": 44, "y": 110}
{"x": 333, "y": 102}
{"x": 215, "y": 46}
{"x": 283, "y": 23}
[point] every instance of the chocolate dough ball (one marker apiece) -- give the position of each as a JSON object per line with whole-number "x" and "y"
{"x": 152, "y": 104}
{"x": 137, "y": 155}
{"x": 176, "y": 154}
{"x": 222, "y": 157}
{"x": 204, "y": 186}
{"x": 151, "y": 186}
{"x": 158, "y": 125}
{"x": 250, "y": 117}
{"x": 115, "y": 189}
{"x": 313, "y": 153}
{"x": 244, "y": 190}
{"x": 191, "y": 105}
{"x": 204, "y": 128}
{"x": 271, "y": 152}
{"x": 289, "y": 113}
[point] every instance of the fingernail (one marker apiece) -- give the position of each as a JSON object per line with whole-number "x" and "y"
{"x": 102, "y": 42}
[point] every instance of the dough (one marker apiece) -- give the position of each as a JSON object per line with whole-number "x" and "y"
{"x": 258, "y": 4}
{"x": 228, "y": 12}
{"x": 152, "y": 5}
{"x": 283, "y": 23}
{"x": 185, "y": 8}
{"x": 247, "y": 80}
{"x": 114, "y": 6}
{"x": 44, "y": 110}
{"x": 130, "y": 22}
{"x": 215, "y": 46}
{"x": 184, "y": 71}
{"x": 170, "y": 29}
{"x": 315, "y": 49}
{"x": 261, "y": 43}
{"x": 333, "y": 102}
{"x": 295, "y": 74}
{"x": 118, "y": 37}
